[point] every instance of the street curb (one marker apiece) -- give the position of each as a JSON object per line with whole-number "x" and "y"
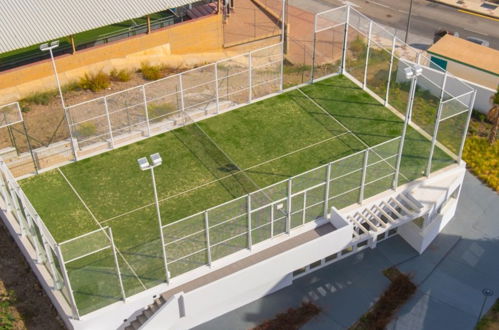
{"x": 464, "y": 8}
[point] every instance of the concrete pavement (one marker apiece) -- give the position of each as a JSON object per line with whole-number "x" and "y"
{"x": 450, "y": 275}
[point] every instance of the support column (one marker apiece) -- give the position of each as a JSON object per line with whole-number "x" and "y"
{"x": 73, "y": 44}
{"x": 148, "y": 18}
{"x": 364, "y": 81}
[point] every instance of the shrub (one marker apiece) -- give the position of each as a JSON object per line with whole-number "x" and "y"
{"x": 292, "y": 319}
{"x": 160, "y": 109}
{"x": 95, "y": 81}
{"x": 71, "y": 87}
{"x": 85, "y": 130}
{"x": 482, "y": 159}
{"x": 400, "y": 290}
{"x": 151, "y": 72}
{"x": 120, "y": 75}
{"x": 40, "y": 98}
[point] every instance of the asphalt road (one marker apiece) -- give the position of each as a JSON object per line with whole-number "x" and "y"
{"x": 427, "y": 17}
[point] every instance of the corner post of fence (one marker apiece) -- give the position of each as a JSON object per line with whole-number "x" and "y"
{"x": 392, "y": 56}
{"x": 4, "y": 189}
{"x": 207, "y": 236}
{"x": 106, "y": 107}
{"x": 182, "y": 104}
{"x": 288, "y": 215}
{"x": 369, "y": 36}
{"x": 345, "y": 42}
{"x": 435, "y": 129}
{"x": 217, "y": 96}
{"x": 250, "y": 76}
{"x": 326, "y": 191}
{"x": 364, "y": 174}
{"x": 314, "y": 45}
{"x": 465, "y": 132}
{"x": 250, "y": 225}
{"x": 67, "y": 283}
{"x": 146, "y": 110}
{"x": 118, "y": 272}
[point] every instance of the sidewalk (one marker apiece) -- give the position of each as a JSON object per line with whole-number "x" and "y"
{"x": 450, "y": 275}
{"x": 475, "y": 6}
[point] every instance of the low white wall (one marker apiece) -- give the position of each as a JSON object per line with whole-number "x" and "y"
{"x": 454, "y": 86}
{"x": 252, "y": 283}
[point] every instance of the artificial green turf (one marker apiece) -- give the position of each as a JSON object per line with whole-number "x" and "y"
{"x": 267, "y": 139}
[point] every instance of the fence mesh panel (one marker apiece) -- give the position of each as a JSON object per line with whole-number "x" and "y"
{"x": 10, "y": 114}
{"x": 89, "y": 122}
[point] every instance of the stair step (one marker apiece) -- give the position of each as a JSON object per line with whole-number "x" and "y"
{"x": 135, "y": 325}
{"x": 148, "y": 313}
{"x": 142, "y": 319}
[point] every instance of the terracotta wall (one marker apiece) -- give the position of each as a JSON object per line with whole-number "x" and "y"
{"x": 196, "y": 36}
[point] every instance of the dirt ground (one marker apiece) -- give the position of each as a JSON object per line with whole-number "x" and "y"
{"x": 23, "y": 303}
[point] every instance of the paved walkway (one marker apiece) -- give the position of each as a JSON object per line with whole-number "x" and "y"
{"x": 451, "y": 275}
{"x": 477, "y": 6}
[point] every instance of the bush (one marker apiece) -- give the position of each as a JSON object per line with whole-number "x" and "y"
{"x": 120, "y": 75}
{"x": 151, "y": 72}
{"x": 483, "y": 159}
{"x": 292, "y": 319}
{"x": 95, "y": 81}
{"x": 379, "y": 316}
{"x": 40, "y": 98}
{"x": 85, "y": 130}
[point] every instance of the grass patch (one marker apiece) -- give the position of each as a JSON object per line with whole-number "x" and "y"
{"x": 95, "y": 81}
{"x": 120, "y": 75}
{"x": 292, "y": 319}
{"x": 490, "y": 321}
{"x": 269, "y": 141}
{"x": 398, "y": 292}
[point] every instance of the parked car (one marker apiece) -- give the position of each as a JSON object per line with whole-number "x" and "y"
{"x": 441, "y": 32}
{"x": 478, "y": 41}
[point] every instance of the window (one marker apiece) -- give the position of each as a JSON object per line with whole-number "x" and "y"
{"x": 380, "y": 237}
{"x": 299, "y": 271}
{"x": 331, "y": 257}
{"x": 347, "y": 250}
{"x": 315, "y": 264}
{"x": 392, "y": 232}
{"x": 361, "y": 244}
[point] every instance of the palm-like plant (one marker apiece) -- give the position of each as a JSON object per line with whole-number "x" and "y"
{"x": 493, "y": 116}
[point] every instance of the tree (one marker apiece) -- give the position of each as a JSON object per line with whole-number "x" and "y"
{"x": 493, "y": 116}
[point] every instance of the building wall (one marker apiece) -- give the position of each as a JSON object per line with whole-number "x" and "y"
{"x": 195, "y": 36}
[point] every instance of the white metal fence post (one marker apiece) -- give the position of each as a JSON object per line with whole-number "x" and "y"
{"x": 17, "y": 211}
{"x": 4, "y": 190}
{"x": 248, "y": 209}
{"x": 407, "y": 120}
{"x": 109, "y": 122}
{"x": 437, "y": 124}
{"x": 314, "y": 42}
{"x": 326, "y": 190}
{"x": 465, "y": 132}
{"x": 207, "y": 236}
{"x": 288, "y": 215}
{"x": 364, "y": 173}
{"x": 281, "y": 82}
{"x": 67, "y": 283}
{"x": 304, "y": 213}
{"x": 394, "y": 42}
{"x": 271, "y": 220}
{"x": 118, "y": 272}
{"x": 182, "y": 104}
{"x": 364, "y": 81}
{"x": 146, "y": 110}
{"x": 217, "y": 96}
{"x": 250, "y": 77}
{"x": 50, "y": 261}
{"x": 71, "y": 137}
{"x": 345, "y": 42}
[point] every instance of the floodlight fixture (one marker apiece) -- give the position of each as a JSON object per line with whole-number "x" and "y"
{"x": 418, "y": 70}
{"x": 408, "y": 73}
{"x": 156, "y": 159}
{"x": 46, "y": 46}
{"x": 143, "y": 163}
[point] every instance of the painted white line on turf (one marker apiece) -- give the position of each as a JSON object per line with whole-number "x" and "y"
{"x": 227, "y": 176}
{"x": 358, "y": 138}
{"x": 100, "y": 226}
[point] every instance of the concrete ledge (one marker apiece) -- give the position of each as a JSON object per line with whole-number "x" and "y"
{"x": 472, "y": 7}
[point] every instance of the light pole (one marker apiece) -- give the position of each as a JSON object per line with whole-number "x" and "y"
{"x": 411, "y": 73}
{"x": 144, "y": 166}
{"x": 49, "y": 47}
{"x": 408, "y": 23}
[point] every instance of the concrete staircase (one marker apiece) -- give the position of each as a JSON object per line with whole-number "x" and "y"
{"x": 147, "y": 313}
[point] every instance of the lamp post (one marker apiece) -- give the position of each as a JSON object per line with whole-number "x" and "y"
{"x": 144, "y": 166}
{"x": 408, "y": 23}
{"x": 411, "y": 73}
{"x": 49, "y": 47}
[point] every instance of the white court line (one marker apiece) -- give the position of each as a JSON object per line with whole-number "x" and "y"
{"x": 228, "y": 176}
{"x": 98, "y": 224}
{"x": 348, "y": 130}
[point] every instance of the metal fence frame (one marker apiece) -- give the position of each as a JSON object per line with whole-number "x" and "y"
{"x": 49, "y": 253}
